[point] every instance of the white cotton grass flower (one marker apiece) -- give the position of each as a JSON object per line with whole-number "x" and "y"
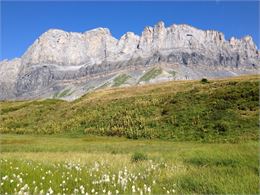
{"x": 149, "y": 190}
{"x": 82, "y": 189}
{"x": 145, "y": 188}
{"x": 133, "y": 189}
{"x": 50, "y": 191}
{"x": 20, "y": 180}
{"x": 109, "y": 193}
{"x": 35, "y": 189}
{"x": 5, "y": 178}
{"x": 25, "y": 187}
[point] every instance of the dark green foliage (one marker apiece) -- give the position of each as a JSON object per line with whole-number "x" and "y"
{"x": 138, "y": 156}
{"x": 221, "y": 127}
{"x": 204, "y": 80}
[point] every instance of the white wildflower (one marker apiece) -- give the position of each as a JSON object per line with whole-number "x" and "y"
{"x": 133, "y": 189}
{"x": 5, "y": 177}
{"x": 50, "y": 190}
{"x": 149, "y": 190}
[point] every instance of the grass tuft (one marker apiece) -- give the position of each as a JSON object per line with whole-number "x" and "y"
{"x": 138, "y": 156}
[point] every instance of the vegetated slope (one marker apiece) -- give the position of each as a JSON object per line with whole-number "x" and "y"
{"x": 220, "y": 110}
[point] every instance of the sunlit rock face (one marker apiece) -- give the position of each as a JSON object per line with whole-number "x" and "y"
{"x": 59, "y": 59}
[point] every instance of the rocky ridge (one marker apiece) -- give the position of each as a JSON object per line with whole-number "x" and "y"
{"x": 67, "y": 64}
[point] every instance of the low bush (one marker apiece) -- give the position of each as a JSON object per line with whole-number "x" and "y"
{"x": 204, "y": 80}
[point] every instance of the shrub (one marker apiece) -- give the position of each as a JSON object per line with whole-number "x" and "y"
{"x": 204, "y": 80}
{"x": 138, "y": 156}
{"x": 221, "y": 127}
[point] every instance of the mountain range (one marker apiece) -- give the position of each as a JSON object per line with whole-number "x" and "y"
{"x": 66, "y": 65}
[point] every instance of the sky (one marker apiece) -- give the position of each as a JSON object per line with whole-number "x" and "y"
{"x": 23, "y": 22}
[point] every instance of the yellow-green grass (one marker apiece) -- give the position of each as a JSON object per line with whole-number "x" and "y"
{"x": 176, "y": 167}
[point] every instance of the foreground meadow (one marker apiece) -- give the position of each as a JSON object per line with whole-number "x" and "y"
{"x": 60, "y": 164}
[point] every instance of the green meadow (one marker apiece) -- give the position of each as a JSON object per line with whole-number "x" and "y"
{"x": 168, "y": 167}
{"x": 179, "y": 137}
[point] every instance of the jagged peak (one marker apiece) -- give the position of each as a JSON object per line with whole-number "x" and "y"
{"x": 148, "y": 28}
{"x": 248, "y": 39}
{"x": 104, "y": 31}
{"x": 128, "y": 35}
{"x": 159, "y": 24}
{"x": 55, "y": 30}
{"x": 52, "y": 32}
{"x": 183, "y": 26}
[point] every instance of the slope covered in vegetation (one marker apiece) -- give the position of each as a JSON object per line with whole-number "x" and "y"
{"x": 221, "y": 110}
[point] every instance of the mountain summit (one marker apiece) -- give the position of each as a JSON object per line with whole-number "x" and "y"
{"x": 66, "y": 65}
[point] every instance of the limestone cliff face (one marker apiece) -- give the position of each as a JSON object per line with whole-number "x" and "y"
{"x": 59, "y": 56}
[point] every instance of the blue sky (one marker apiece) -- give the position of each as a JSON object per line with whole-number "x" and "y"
{"x": 23, "y": 22}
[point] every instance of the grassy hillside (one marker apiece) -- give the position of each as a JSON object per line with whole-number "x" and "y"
{"x": 222, "y": 110}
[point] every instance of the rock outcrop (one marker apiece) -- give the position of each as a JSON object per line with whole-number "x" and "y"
{"x": 80, "y": 62}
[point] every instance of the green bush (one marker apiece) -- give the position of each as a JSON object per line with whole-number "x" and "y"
{"x": 204, "y": 80}
{"x": 221, "y": 127}
{"x": 138, "y": 156}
